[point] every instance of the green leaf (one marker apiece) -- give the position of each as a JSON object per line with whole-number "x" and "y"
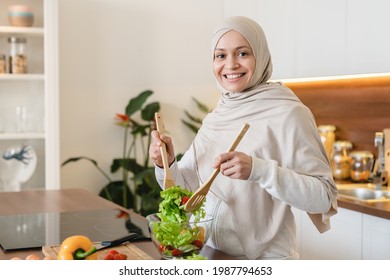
{"x": 74, "y": 159}
{"x": 135, "y": 104}
{"x": 139, "y": 129}
{"x": 129, "y": 164}
{"x": 201, "y": 106}
{"x": 116, "y": 189}
{"x": 148, "y": 112}
{"x": 193, "y": 118}
{"x": 191, "y": 126}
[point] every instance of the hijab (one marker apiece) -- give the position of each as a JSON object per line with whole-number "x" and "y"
{"x": 255, "y": 36}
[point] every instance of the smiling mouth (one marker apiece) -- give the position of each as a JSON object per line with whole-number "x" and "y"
{"x": 233, "y": 76}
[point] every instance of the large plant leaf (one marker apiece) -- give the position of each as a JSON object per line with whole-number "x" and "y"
{"x": 193, "y": 118}
{"x": 136, "y": 103}
{"x": 191, "y": 126}
{"x": 116, "y": 190}
{"x": 147, "y": 177}
{"x": 149, "y": 204}
{"x": 148, "y": 112}
{"x": 149, "y": 190}
{"x": 129, "y": 164}
{"x": 74, "y": 159}
{"x": 139, "y": 129}
{"x": 201, "y": 106}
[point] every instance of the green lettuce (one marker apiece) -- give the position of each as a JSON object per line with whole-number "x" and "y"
{"x": 174, "y": 230}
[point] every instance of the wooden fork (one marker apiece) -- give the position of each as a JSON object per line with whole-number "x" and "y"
{"x": 168, "y": 178}
{"x": 197, "y": 197}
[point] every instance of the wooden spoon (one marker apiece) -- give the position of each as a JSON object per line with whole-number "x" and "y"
{"x": 168, "y": 178}
{"x": 197, "y": 198}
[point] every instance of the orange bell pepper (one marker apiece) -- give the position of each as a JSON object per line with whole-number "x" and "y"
{"x": 77, "y": 247}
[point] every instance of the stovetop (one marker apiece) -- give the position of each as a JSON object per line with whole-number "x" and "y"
{"x": 29, "y": 231}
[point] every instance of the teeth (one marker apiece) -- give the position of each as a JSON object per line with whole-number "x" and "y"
{"x": 233, "y": 76}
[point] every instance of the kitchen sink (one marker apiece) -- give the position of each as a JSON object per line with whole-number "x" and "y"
{"x": 364, "y": 193}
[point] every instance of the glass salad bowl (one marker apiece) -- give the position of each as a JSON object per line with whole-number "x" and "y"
{"x": 183, "y": 240}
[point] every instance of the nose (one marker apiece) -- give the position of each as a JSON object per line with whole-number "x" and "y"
{"x": 231, "y": 62}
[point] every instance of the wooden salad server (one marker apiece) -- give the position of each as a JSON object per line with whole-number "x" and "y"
{"x": 168, "y": 178}
{"x": 197, "y": 197}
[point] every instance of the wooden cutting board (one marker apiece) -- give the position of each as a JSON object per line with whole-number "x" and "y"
{"x": 132, "y": 252}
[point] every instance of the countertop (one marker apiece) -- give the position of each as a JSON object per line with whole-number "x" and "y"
{"x": 379, "y": 209}
{"x": 68, "y": 200}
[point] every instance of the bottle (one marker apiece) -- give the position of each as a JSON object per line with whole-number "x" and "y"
{"x": 361, "y": 164}
{"x": 17, "y": 60}
{"x": 341, "y": 160}
{"x": 327, "y": 133}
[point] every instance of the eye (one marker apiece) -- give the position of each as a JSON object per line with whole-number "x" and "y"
{"x": 219, "y": 56}
{"x": 243, "y": 54}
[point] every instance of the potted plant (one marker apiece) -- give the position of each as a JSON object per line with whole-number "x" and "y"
{"x": 138, "y": 189}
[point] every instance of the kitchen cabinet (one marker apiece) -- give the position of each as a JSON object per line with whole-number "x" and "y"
{"x": 376, "y": 238}
{"x": 322, "y": 38}
{"x": 36, "y": 91}
{"x": 353, "y": 236}
{"x": 343, "y": 241}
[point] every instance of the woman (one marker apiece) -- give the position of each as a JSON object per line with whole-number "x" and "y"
{"x": 280, "y": 163}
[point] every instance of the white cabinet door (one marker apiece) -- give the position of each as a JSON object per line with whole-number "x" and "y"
{"x": 320, "y": 38}
{"x": 376, "y": 238}
{"x": 368, "y": 40}
{"x": 341, "y": 242}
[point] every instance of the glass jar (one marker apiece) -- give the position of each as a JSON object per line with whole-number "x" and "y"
{"x": 341, "y": 160}
{"x": 327, "y": 133}
{"x": 17, "y": 60}
{"x": 361, "y": 164}
{"x": 2, "y": 64}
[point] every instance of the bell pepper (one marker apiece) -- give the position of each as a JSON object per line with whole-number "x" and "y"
{"x": 77, "y": 247}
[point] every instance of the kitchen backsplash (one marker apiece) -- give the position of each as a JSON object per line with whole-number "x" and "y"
{"x": 358, "y": 107}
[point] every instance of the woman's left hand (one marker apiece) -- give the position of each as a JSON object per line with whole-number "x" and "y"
{"x": 235, "y": 165}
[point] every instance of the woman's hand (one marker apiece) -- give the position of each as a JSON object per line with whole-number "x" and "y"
{"x": 154, "y": 149}
{"x": 235, "y": 165}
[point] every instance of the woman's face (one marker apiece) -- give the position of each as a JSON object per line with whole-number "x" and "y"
{"x": 234, "y": 62}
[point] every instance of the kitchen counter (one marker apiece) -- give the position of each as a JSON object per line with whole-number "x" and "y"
{"x": 68, "y": 201}
{"x": 379, "y": 209}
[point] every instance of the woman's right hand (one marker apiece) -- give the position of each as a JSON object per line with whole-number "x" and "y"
{"x": 154, "y": 149}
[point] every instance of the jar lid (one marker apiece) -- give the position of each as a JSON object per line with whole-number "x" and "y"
{"x": 338, "y": 145}
{"x": 326, "y": 128}
{"x": 17, "y": 40}
{"x": 361, "y": 155}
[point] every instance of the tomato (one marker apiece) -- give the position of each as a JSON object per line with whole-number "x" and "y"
{"x": 120, "y": 256}
{"x": 161, "y": 248}
{"x": 198, "y": 243}
{"x": 115, "y": 255}
{"x": 184, "y": 200}
{"x": 114, "y": 252}
{"x": 109, "y": 256}
{"x": 176, "y": 252}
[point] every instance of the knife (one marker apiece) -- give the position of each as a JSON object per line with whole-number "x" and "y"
{"x": 116, "y": 242}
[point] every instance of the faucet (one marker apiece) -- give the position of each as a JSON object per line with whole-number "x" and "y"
{"x": 380, "y": 174}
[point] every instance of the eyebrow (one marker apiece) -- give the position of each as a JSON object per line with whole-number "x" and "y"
{"x": 240, "y": 47}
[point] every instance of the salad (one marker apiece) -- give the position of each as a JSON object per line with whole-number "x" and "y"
{"x": 179, "y": 233}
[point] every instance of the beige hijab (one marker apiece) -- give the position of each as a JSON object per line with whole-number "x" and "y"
{"x": 254, "y": 34}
